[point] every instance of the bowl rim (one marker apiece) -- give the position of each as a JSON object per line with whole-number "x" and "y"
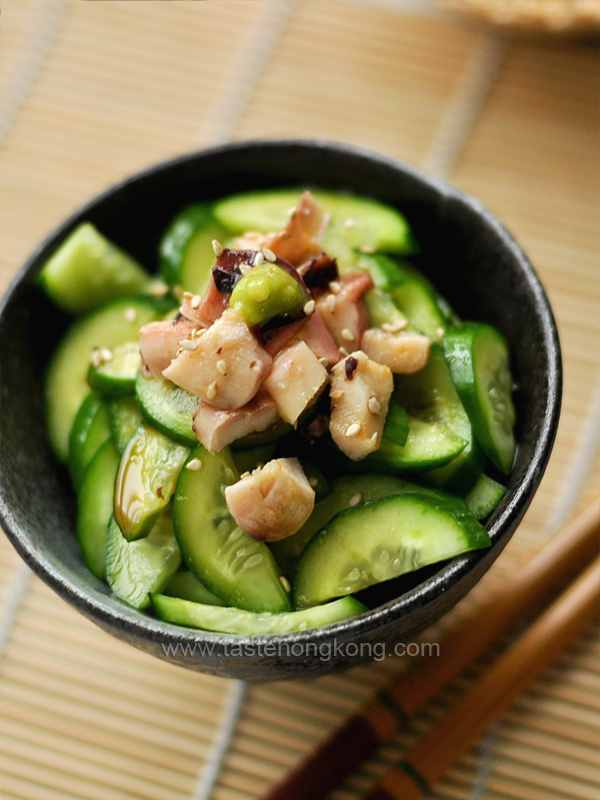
{"x": 109, "y": 615}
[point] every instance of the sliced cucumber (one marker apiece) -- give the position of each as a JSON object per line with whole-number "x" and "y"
{"x": 66, "y": 383}
{"x": 381, "y": 540}
{"x": 116, "y": 376}
{"x": 95, "y": 508}
{"x": 417, "y": 300}
{"x": 396, "y": 424}
{"x": 430, "y": 395}
{"x": 234, "y": 620}
{"x": 484, "y": 496}
{"x": 148, "y": 472}
{"x": 479, "y": 364}
{"x": 382, "y": 309}
{"x": 344, "y": 491}
{"x": 87, "y": 271}
{"x": 249, "y": 460}
{"x": 168, "y": 408}
{"x": 359, "y": 221}
{"x": 125, "y": 416}
{"x": 262, "y": 438}
{"x": 428, "y": 445}
{"x": 134, "y": 569}
{"x": 185, "y": 585}
{"x": 227, "y": 560}
{"x": 186, "y": 253}
{"x": 90, "y": 430}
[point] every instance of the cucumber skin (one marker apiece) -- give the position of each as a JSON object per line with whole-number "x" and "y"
{"x": 66, "y": 384}
{"x": 87, "y": 271}
{"x": 236, "y": 621}
{"x": 124, "y": 416}
{"x": 460, "y": 350}
{"x": 315, "y": 583}
{"x": 484, "y": 496}
{"x": 95, "y": 508}
{"x": 199, "y": 510}
{"x": 91, "y": 428}
{"x": 109, "y": 383}
{"x": 155, "y": 399}
{"x": 186, "y": 586}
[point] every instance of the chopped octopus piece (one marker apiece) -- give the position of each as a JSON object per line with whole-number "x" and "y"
{"x": 360, "y": 395}
{"x": 272, "y": 502}
{"x": 319, "y": 271}
{"x": 159, "y": 342}
{"x": 207, "y": 309}
{"x": 250, "y": 241}
{"x": 296, "y": 379}
{"x": 227, "y": 366}
{"x": 344, "y": 313}
{"x": 300, "y": 239}
{"x": 403, "y": 352}
{"x": 311, "y": 330}
{"x": 218, "y": 427}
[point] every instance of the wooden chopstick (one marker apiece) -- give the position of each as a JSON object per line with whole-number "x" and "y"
{"x": 380, "y": 718}
{"x": 427, "y": 761}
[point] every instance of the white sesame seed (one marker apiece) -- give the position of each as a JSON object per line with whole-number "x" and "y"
{"x": 331, "y": 303}
{"x": 258, "y": 259}
{"x": 244, "y": 475}
{"x": 195, "y": 301}
{"x": 352, "y": 429}
{"x": 344, "y": 352}
{"x": 374, "y": 405}
{"x": 439, "y": 332}
{"x": 285, "y": 583}
{"x": 177, "y": 293}
{"x": 324, "y": 361}
{"x": 349, "y": 223}
{"x": 244, "y": 268}
{"x": 347, "y": 335}
{"x": 187, "y": 295}
{"x": 222, "y": 366}
{"x": 309, "y": 308}
{"x": 131, "y": 315}
{"x": 375, "y": 436}
{"x": 159, "y": 289}
{"x": 106, "y": 354}
{"x": 179, "y": 352}
{"x": 355, "y": 500}
{"x": 96, "y": 357}
{"x": 367, "y": 248}
{"x": 337, "y": 394}
{"x": 335, "y": 287}
{"x": 187, "y": 344}
{"x": 313, "y": 482}
{"x": 198, "y": 332}
{"x": 217, "y": 247}
{"x": 269, "y": 254}
{"x": 212, "y": 390}
{"x": 195, "y": 464}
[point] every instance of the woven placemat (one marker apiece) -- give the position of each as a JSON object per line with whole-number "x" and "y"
{"x": 573, "y": 17}
{"x": 124, "y": 84}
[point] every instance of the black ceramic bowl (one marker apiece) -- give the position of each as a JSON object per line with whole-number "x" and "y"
{"x": 470, "y": 257}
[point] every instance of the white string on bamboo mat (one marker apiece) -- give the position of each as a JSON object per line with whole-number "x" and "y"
{"x": 47, "y": 19}
{"x": 12, "y": 602}
{"x": 214, "y": 762}
{"x": 252, "y": 57}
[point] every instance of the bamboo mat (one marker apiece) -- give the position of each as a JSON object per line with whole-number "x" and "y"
{"x": 93, "y": 91}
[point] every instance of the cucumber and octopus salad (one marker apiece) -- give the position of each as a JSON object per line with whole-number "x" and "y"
{"x": 288, "y": 415}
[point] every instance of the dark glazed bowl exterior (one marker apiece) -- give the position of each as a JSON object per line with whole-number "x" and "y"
{"x": 470, "y": 257}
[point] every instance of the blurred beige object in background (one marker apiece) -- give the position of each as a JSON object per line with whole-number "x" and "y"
{"x": 565, "y": 16}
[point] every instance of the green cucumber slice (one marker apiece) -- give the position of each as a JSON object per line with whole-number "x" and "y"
{"x": 90, "y": 430}
{"x": 234, "y": 620}
{"x": 396, "y": 424}
{"x": 479, "y": 364}
{"x": 227, "y": 560}
{"x": 380, "y": 540}
{"x": 484, "y": 496}
{"x": 95, "y": 508}
{"x": 359, "y": 221}
{"x": 87, "y": 271}
{"x": 124, "y": 416}
{"x": 350, "y": 488}
{"x": 66, "y": 383}
{"x": 186, "y": 253}
{"x": 148, "y": 472}
{"x": 116, "y": 376}
{"x": 417, "y": 300}
{"x": 168, "y": 408}
{"x": 249, "y": 460}
{"x": 134, "y": 569}
{"x": 430, "y": 395}
{"x": 382, "y": 310}
{"x": 186, "y": 586}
